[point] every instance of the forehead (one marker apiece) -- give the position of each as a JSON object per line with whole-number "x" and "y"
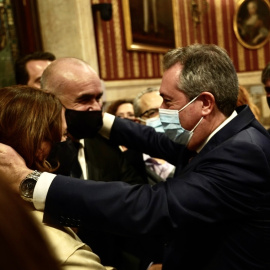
{"x": 150, "y": 100}
{"x": 125, "y": 107}
{"x": 80, "y": 93}
{"x": 81, "y": 81}
{"x": 36, "y": 66}
{"x": 170, "y": 80}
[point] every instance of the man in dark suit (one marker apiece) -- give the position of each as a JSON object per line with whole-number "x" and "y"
{"x": 79, "y": 88}
{"x": 214, "y": 213}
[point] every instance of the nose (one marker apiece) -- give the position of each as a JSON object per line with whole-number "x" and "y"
{"x": 95, "y": 106}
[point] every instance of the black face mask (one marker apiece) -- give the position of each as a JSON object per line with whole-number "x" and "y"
{"x": 63, "y": 154}
{"x": 268, "y": 101}
{"x": 83, "y": 124}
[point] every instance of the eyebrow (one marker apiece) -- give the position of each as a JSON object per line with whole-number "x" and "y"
{"x": 165, "y": 96}
{"x": 88, "y": 97}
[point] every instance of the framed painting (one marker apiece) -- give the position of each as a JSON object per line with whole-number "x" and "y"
{"x": 149, "y": 25}
{"x": 252, "y": 23}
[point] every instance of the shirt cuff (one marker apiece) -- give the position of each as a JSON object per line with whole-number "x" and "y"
{"x": 108, "y": 120}
{"x": 41, "y": 190}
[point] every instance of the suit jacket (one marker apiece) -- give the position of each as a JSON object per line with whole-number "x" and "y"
{"x": 215, "y": 212}
{"x": 106, "y": 162}
{"x": 70, "y": 252}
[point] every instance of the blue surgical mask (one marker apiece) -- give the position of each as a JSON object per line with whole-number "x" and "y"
{"x": 155, "y": 123}
{"x": 172, "y": 126}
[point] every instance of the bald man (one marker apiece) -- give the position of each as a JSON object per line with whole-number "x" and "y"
{"x": 79, "y": 88}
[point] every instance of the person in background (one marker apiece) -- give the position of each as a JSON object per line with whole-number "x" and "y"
{"x": 265, "y": 79}
{"x": 38, "y": 118}
{"x": 244, "y": 98}
{"x": 29, "y": 68}
{"x": 146, "y": 105}
{"x": 122, "y": 108}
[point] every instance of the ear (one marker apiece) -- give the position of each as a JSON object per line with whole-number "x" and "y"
{"x": 43, "y": 151}
{"x": 208, "y": 103}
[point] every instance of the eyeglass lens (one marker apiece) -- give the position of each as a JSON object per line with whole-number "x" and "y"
{"x": 149, "y": 113}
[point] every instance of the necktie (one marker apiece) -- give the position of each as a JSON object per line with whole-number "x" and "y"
{"x": 76, "y": 170}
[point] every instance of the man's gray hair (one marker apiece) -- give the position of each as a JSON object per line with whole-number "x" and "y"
{"x": 137, "y": 100}
{"x": 206, "y": 68}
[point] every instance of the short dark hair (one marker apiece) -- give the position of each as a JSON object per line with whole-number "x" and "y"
{"x": 266, "y": 74}
{"x": 21, "y": 74}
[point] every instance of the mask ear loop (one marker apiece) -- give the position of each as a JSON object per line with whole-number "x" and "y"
{"x": 142, "y": 120}
{"x": 188, "y": 104}
{"x": 197, "y": 124}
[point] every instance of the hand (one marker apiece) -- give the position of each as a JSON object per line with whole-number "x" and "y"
{"x": 12, "y": 167}
{"x": 155, "y": 267}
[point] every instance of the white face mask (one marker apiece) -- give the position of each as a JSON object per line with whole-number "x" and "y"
{"x": 172, "y": 127}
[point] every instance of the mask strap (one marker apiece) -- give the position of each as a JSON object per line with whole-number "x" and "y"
{"x": 197, "y": 124}
{"x": 140, "y": 119}
{"x": 188, "y": 104}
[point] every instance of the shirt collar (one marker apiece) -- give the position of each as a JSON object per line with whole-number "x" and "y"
{"x": 223, "y": 124}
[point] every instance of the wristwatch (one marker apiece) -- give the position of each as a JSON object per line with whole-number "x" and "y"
{"x": 28, "y": 184}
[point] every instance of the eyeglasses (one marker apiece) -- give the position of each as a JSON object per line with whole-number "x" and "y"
{"x": 149, "y": 113}
{"x": 267, "y": 89}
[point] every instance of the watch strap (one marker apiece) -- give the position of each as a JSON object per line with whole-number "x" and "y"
{"x": 28, "y": 184}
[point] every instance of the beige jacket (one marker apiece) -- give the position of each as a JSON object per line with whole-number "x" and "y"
{"x": 69, "y": 250}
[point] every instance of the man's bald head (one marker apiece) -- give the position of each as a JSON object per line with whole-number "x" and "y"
{"x": 74, "y": 82}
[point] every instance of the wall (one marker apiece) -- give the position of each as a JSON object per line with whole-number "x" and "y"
{"x": 69, "y": 28}
{"x": 128, "y": 72}
{"x": 116, "y": 63}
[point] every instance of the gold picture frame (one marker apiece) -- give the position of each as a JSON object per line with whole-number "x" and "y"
{"x": 252, "y": 23}
{"x": 149, "y": 25}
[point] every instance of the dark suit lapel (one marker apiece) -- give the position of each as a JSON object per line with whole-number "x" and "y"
{"x": 244, "y": 119}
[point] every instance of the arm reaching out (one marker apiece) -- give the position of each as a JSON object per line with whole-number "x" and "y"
{"x": 12, "y": 167}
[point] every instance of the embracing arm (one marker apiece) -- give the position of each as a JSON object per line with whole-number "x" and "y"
{"x": 140, "y": 138}
{"x": 214, "y": 187}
